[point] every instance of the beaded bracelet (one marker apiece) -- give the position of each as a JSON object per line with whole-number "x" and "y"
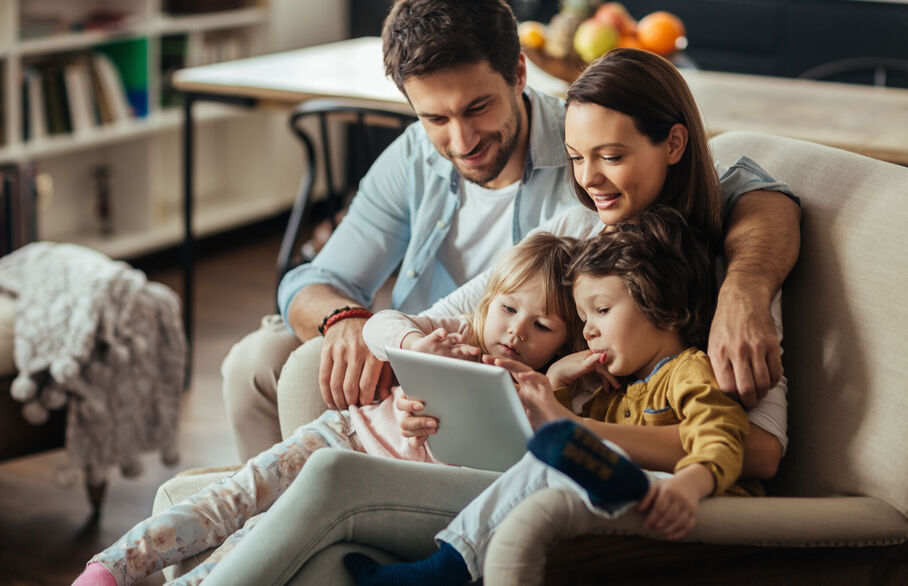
{"x": 342, "y": 313}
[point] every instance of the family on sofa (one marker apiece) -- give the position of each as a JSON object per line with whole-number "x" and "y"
{"x": 603, "y": 312}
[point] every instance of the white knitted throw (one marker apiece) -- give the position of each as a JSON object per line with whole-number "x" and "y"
{"x": 96, "y": 335}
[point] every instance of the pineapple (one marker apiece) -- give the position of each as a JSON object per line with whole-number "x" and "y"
{"x": 584, "y": 8}
{"x": 559, "y": 42}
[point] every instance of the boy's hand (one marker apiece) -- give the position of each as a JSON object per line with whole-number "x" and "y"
{"x": 442, "y": 343}
{"x": 673, "y": 503}
{"x": 417, "y": 428}
{"x": 534, "y": 390}
{"x": 568, "y": 369}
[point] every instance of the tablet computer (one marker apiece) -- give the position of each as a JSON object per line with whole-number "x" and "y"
{"x": 481, "y": 422}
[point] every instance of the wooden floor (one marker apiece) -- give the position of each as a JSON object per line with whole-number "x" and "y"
{"x": 46, "y": 530}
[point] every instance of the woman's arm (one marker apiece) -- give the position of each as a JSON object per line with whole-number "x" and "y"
{"x": 659, "y": 448}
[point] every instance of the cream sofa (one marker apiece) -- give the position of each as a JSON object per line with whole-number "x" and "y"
{"x": 839, "y": 510}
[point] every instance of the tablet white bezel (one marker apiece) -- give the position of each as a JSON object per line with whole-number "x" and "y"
{"x": 482, "y": 423}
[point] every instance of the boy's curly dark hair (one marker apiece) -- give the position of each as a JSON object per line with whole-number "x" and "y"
{"x": 666, "y": 265}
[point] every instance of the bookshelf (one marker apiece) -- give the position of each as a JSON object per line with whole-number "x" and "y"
{"x": 116, "y": 179}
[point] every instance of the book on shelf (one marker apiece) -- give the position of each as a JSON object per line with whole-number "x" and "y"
{"x": 6, "y": 212}
{"x": 2, "y": 108}
{"x": 72, "y": 94}
{"x": 17, "y": 207}
{"x": 173, "y": 58}
{"x": 56, "y": 107}
{"x": 33, "y": 117}
{"x": 112, "y": 99}
{"x": 79, "y": 97}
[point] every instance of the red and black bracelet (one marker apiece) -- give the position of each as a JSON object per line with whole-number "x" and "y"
{"x": 342, "y": 313}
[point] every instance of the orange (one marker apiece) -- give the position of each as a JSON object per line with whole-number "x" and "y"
{"x": 531, "y": 34}
{"x": 629, "y": 42}
{"x": 659, "y": 31}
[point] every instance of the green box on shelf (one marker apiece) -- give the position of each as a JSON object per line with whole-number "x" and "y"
{"x": 131, "y": 59}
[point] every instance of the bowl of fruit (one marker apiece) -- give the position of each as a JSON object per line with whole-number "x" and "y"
{"x": 584, "y": 30}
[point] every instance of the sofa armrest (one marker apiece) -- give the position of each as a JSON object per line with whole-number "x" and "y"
{"x": 299, "y": 399}
{"x": 519, "y": 550}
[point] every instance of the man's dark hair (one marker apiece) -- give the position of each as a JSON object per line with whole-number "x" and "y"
{"x": 665, "y": 264}
{"x": 420, "y": 37}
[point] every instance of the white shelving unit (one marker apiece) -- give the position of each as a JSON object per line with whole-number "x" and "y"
{"x": 247, "y": 162}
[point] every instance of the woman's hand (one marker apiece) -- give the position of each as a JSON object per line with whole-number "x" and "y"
{"x": 442, "y": 343}
{"x": 416, "y": 427}
{"x": 534, "y": 390}
{"x": 568, "y": 369}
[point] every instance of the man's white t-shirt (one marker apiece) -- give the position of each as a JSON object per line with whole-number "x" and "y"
{"x": 480, "y": 231}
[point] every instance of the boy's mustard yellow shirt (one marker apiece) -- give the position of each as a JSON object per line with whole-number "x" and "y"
{"x": 684, "y": 390}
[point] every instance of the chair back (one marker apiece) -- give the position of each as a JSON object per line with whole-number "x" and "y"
{"x": 865, "y": 70}
{"x": 369, "y": 129}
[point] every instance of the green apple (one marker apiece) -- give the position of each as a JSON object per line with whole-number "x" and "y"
{"x": 594, "y": 39}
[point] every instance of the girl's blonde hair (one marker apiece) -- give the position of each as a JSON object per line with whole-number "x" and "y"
{"x": 548, "y": 256}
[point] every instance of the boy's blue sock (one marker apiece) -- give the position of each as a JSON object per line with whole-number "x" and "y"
{"x": 607, "y": 476}
{"x": 444, "y": 568}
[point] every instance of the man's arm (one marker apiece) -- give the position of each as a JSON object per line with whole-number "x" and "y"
{"x": 761, "y": 246}
{"x": 348, "y": 374}
{"x": 357, "y": 259}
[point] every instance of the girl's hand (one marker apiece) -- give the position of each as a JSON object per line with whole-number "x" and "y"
{"x": 568, "y": 369}
{"x": 673, "y": 502}
{"x": 442, "y": 343}
{"x": 417, "y": 428}
{"x": 534, "y": 390}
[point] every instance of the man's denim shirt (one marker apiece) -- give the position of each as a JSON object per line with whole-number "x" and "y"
{"x": 406, "y": 202}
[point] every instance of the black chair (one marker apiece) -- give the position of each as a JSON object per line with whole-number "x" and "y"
{"x": 369, "y": 130}
{"x": 869, "y": 71}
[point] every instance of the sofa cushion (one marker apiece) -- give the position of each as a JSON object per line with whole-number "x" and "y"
{"x": 845, "y": 319}
{"x": 7, "y": 320}
{"x": 524, "y": 541}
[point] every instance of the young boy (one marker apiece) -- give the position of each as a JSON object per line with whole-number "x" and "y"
{"x": 645, "y": 293}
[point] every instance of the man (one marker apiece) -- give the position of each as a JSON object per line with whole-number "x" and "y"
{"x": 484, "y": 166}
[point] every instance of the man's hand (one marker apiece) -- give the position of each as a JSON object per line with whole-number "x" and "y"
{"x": 744, "y": 348}
{"x": 762, "y": 237}
{"x": 349, "y": 374}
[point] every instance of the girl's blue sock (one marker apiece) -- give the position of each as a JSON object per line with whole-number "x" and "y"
{"x": 444, "y": 568}
{"x": 607, "y": 476}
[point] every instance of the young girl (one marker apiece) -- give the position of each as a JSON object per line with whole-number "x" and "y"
{"x": 525, "y": 315}
{"x": 644, "y": 292}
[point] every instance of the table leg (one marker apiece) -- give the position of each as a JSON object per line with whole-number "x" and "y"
{"x": 188, "y": 236}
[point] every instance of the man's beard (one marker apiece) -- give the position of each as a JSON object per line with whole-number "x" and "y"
{"x": 508, "y": 143}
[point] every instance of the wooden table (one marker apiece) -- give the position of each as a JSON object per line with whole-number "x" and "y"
{"x": 868, "y": 120}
